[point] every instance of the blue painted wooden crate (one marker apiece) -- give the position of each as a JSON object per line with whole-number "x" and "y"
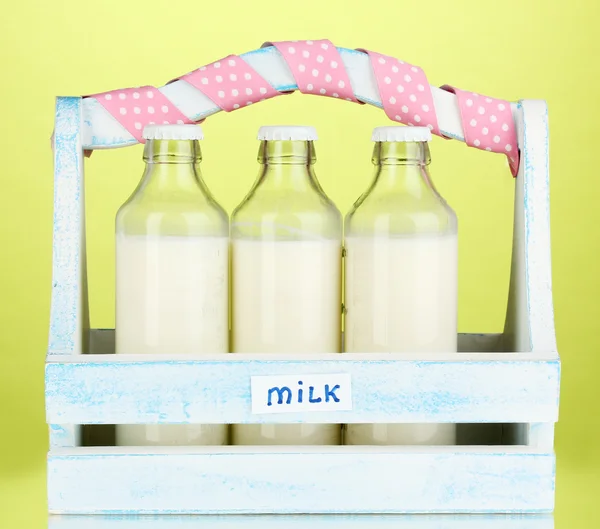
{"x": 509, "y": 379}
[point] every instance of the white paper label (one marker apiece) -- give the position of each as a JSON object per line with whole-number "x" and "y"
{"x": 294, "y": 393}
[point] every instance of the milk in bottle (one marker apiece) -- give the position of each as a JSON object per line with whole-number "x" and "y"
{"x": 401, "y": 271}
{"x": 286, "y": 241}
{"x": 172, "y": 250}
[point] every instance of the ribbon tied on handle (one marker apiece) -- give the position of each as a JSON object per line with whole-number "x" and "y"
{"x": 317, "y": 67}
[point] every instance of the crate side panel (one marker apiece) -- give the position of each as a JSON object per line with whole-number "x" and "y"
{"x": 384, "y": 481}
{"x": 536, "y": 203}
{"x": 530, "y": 315}
{"x": 66, "y": 312}
{"x": 196, "y": 391}
{"x": 541, "y": 435}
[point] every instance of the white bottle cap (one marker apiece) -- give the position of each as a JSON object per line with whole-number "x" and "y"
{"x": 172, "y": 132}
{"x": 287, "y": 132}
{"x": 400, "y": 133}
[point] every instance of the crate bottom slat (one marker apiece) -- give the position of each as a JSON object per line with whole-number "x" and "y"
{"x": 241, "y": 480}
{"x": 330, "y": 521}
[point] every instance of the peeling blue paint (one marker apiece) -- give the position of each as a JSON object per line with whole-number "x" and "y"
{"x": 96, "y": 390}
{"x": 342, "y": 480}
{"x": 66, "y": 271}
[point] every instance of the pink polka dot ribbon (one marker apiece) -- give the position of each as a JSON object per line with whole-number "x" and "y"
{"x": 488, "y": 124}
{"x": 405, "y": 92}
{"x": 317, "y": 68}
{"x": 134, "y": 108}
{"x": 230, "y": 83}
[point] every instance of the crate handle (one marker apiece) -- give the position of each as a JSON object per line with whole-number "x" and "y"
{"x": 117, "y": 118}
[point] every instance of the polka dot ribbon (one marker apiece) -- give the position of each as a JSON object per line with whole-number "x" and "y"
{"x": 318, "y": 69}
{"x": 230, "y": 83}
{"x": 406, "y": 97}
{"x": 405, "y": 92}
{"x": 488, "y": 124}
{"x": 134, "y": 108}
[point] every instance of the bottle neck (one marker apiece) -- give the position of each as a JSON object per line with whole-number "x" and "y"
{"x": 402, "y": 167}
{"x": 172, "y": 164}
{"x": 287, "y": 165}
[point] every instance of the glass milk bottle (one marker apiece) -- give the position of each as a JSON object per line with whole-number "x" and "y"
{"x": 286, "y": 241}
{"x": 172, "y": 252}
{"x": 401, "y": 271}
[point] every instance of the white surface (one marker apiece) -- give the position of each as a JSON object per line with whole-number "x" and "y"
{"x": 173, "y": 132}
{"x": 541, "y": 435}
{"x": 69, "y": 311}
{"x": 291, "y": 393}
{"x": 300, "y": 480}
{"x": 529, "y": 323}
{"x": 287, "y": 132}
{"x": 403, "y": 134}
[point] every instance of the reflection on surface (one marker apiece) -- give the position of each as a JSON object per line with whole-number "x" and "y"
{"x": 365, "y": 521}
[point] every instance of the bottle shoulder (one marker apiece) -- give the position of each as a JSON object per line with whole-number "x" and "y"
{"x": 187, "y": 215}
{"x": 269, "y": 203}
{"x": 400, "y": 213}
{"x": 286, "y": 215}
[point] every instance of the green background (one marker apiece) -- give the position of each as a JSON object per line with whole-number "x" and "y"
{"x": 512, "y": 49}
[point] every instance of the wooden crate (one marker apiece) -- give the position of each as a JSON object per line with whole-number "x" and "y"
{"x": 510, "y": 380}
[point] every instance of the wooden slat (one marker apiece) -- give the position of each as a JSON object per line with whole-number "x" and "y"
{"x": 136, "y": 389}
{"x": 292, "y": 480}
{"x": 67, "y": 304}
{"x": 541, "y": 435}
{"x": 69, "y": 312}
{"x": 530, "y": 316}
{"x": 64, "y": 435}
{"x": 330, "y": 521}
